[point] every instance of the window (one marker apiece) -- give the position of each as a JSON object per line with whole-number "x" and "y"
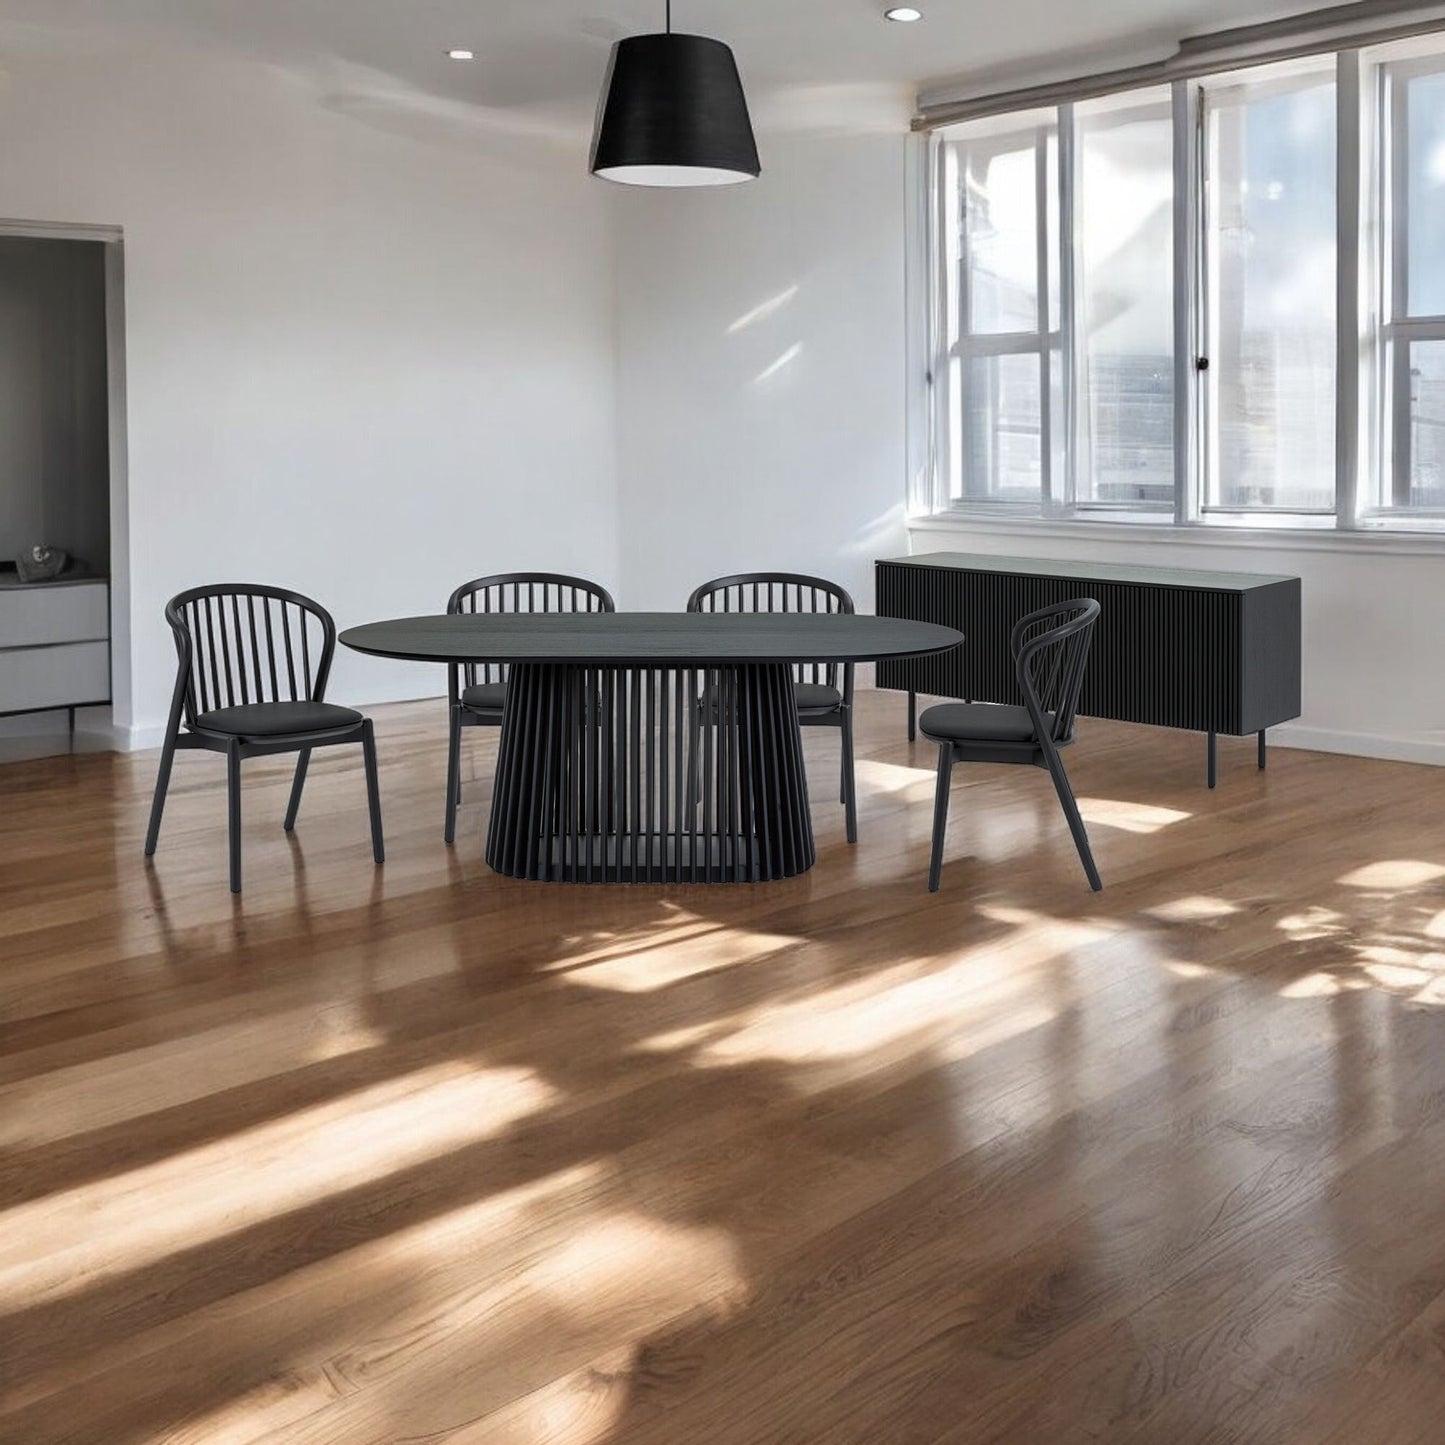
{"x": 1269, "y": 293}
{"x": 1412, "y": 351}
{"x": 1001, "y": 188}
{"x": 1083, "y": 370}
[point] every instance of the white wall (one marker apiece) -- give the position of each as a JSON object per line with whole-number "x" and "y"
{"x": 360, "y": 364}
{"x": 761, "y": 385}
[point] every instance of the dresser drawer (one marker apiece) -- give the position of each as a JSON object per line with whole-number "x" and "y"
{"x": 70, "y": 612}
{"x": 44, "y": 677}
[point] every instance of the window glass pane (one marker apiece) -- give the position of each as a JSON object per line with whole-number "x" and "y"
{"x": 1124, "y": 276}
{"x": 999, "y": 210}
{"x": 1427, "y": 424}
{"x": 1271, "y": 292}
{"x": 1002, "y": 428}
{"x": 1425, "y": 194}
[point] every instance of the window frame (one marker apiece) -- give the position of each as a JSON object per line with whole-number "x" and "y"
{"x": 957, "y": 345}
{"x": 1371, "y": 414}
{"x": 1399, "y": 329}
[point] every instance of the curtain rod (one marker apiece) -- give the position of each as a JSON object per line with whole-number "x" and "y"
{"x": 1364, "y": 22}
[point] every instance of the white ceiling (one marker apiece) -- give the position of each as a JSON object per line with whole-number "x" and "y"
{"x": 540, "y": 62}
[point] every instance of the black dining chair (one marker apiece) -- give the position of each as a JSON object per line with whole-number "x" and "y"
{"x": 253, "y": 663}
{"x": 477, "y": 692}
{"x": 1050, "y": 649}
{"x": 822, "y": 692}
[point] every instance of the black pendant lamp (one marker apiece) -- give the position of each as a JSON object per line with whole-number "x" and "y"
{"x": 673, "y": 113}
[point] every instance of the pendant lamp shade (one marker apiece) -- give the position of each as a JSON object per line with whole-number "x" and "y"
{"x": 673, "y": 113}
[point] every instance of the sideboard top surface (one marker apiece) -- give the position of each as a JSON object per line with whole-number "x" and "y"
{"x": 1092, "y": 571}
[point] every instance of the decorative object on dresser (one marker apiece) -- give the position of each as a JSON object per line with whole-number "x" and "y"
{"x": 41, "y": 563}
{"x": 1210, "y": 652}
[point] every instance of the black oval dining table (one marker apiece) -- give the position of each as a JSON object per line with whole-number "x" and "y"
{"x": 650, "y": 747}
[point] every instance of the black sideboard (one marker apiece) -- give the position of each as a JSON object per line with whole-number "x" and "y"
{"x": 1211, "y": 652}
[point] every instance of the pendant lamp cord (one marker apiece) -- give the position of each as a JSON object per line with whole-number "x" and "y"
{"x": 669, "y": 17}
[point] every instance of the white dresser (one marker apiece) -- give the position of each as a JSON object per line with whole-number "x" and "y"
{"x": 54, "y": 645}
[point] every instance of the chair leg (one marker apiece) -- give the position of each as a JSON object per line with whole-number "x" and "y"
{"x": 912, "y": 716}
{"x": 373, "y": 791}
{"x": 158, "y": 803}
{"x": 233, "y": 810}
{"x": 299, "y": 782}
{"x": 1071, "y": 812}
{"x": 850, "y": 781}
{"x": 940, "y": 814}
{"x": 454, "y": 775}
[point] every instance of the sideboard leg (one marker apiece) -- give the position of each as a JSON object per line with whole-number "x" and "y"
{"x": 912, "y": 717}
{"x": 1261, "y": 750}
{"x": 1213, "y": 759}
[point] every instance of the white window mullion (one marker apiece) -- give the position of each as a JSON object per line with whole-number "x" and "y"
{"x": 1043, "y": 320}
{"x": 1352, "y": 361}
{"x": 1070, "y": 448}
{"x": 1188, "y": 294}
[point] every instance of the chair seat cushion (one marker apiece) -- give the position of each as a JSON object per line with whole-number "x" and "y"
{"x": 815, "y": 697}
{"x": 277, "y": 719}
{"x": 485, "y": 697}
{"x": 984, "y": 722}
{"x": 808, "y": 697}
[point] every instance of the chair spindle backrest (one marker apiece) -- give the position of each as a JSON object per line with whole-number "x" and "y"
{"x": 239, "y": 643}
{"x": 524, "y": 592}
{"x": 778, "y": 592}
{"x": 1050, "y": 649}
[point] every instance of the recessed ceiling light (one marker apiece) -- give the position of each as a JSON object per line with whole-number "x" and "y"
{"x": 905, "y": 14}
{"x": 461, "y": 55}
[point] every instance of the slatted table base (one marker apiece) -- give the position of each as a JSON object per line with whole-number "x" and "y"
{"x": 650, "y": 775}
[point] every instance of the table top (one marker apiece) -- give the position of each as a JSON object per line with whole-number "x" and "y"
{"x": 1185, "y": 577}
{"x": 642, "y": 639}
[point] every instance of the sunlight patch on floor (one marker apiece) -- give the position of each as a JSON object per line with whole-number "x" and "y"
{"x": 1129, "y": 817}
{"x": 649, "y": 969}
{"x": 454, "y": 1357}
{"x": 401, "y": 1278}
{"x": 1196, "y": 908}
{"x": 176, "y": 1073}
{"x": 1321, "y": 985}
{"x": 914, "y": 1003}
{"x": 1180, "y": 969}
{"x": 1392, "y": 873}
{"x": 54, "y": 1246}
{"x": 582, "y": 1408}
{"x": 1313, "y": 923}
{"x": 625, "y": 1251}
{"x": 893, "y": 780}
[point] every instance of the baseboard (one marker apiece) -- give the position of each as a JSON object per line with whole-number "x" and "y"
{"x": 1395, "y": 748}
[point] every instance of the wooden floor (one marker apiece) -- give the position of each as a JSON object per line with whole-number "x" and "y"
{"x": 424, "y": 1154}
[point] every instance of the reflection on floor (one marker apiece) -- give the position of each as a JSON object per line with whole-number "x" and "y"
{"x": 422, "y": 1153}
